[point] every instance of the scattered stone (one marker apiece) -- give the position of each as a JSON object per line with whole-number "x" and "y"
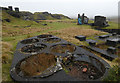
{"x": 92, "y": 43}
{"x": 84, "y": 70}
{"x": 81, "y": 38}
{"x": 44, "y": 24}
{"x": 7, "y": 20}
{"x": 16, "y": 26}
{"x": 118, "y": 36}
{"x": 104, "y": 53}
{"x": 13, "y": 13}
{"x": 118, "y": 47}
{"x": 114, "y": 34}
{"x": 103, "y": 36}
{"x": 56, "y": 16}
{"x": 111, "y": 50}
{"x": 27, "y": 26}
{"x": 92, "y": 77}
{"x": 37, "y": 21}
{"x": 112, "y": 42}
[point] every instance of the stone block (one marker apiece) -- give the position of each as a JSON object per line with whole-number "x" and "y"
{"x": 112, "y": 42}
{"x": 10, "y": 8}
{"x": 92, "y": 43}
{"x": 103, "y": 36}
{"x": 16, "y": 9}
{"x": 111, "y": 50}
{"x": 114, "y": 34}
{"x": 81, "y": 38}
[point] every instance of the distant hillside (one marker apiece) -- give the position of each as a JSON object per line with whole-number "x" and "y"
{"x": 48, "y": 16}
{"x": 25, "y": 15}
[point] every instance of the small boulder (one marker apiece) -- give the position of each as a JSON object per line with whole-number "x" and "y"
{"x": 81, "y": 38}
{"x": 7, "y": 20}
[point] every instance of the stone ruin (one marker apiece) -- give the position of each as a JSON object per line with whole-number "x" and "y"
{"x": 47, "y": 57}
{"x": 16, "y": 9}
{"x": 100, "y": 21}
{"x": 12, "y": 12}
{"x": 109, "y": 48}
{"x": 83, "y": 19}
{"x": 10, "y": 8}
{"x": 17, "y": 13}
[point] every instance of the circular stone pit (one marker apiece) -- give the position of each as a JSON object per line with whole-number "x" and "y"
{"x": 30, "y": 41}
{"x": 33, "y": 48}
{"x": 34, "y": 65}
{"x": 51, "y": 40}
{"x": 62, "y": 48}
{"x": 84, "y": 71}
{"x": 44, "y": 36}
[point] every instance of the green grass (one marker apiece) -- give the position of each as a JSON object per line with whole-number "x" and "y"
{"x": 113, "y": 25}
{"x": 114, "y": 75}
{"x": 5, "y": 72}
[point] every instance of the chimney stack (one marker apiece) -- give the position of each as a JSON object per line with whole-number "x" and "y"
{"x": 10, "y": 8}
{"x": 16, "y": 9}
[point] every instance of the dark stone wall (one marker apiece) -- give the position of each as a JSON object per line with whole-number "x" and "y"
{"x": 10, "y": 8}
{"x": 100, "y": 21}
{"x": 16, "y": 9}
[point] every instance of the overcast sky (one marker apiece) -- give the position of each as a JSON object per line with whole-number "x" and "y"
{"x": 67, "y": 7}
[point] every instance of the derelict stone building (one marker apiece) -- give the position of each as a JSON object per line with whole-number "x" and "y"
{"x": 16, "y": 9}
{"x": 100, "y": 21}
{"x": 10, "y": 8}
